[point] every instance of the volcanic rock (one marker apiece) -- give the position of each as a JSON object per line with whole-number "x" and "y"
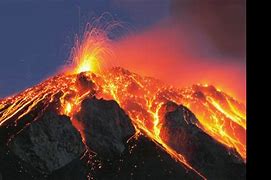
{"x": 84, "y": 83}
{"x": 204, "y": 153}
{"x": 106, "y": 126}
{"x": 142, "y": 159}
{"x": 48, "y": 143}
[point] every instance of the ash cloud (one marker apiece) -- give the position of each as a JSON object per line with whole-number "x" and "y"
{"x": 224, "y": 22}
{"x": 197, "y": 42}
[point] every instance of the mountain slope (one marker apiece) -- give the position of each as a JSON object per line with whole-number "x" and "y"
{"x": 141, "y": 131}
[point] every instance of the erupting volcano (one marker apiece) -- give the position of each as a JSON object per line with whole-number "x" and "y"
{"x": 116, "y": 120}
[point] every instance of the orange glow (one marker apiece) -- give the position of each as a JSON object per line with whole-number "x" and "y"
{"x": 219, "y": 115}
{"x": 172, "y": 54}
{"x": 92, "y": 49}
{"x": 68, "y": 108}
{"x": 88, "y": 64}
{"x": 87, "y": 55}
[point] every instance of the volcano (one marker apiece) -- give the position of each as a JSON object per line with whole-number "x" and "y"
{"x": 92, "y": 122}
{"x": 120, "y": 125}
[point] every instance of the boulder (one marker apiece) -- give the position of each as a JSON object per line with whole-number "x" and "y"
{"x": 48, "y": 143}
{"x": 180, "y": 131}
{"x": 106, "y": 127}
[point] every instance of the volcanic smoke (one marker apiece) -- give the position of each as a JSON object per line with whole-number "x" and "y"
{"x": 143, "y": 98}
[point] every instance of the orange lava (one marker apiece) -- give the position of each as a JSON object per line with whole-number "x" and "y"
{"x": 220, "y": 115}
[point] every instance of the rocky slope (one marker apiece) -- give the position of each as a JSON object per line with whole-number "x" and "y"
{"x": 64, "y": 129}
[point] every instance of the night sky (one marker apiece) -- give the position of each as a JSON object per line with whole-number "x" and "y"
{"x": 36, "y": 36}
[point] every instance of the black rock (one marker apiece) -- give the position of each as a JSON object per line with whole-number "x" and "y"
{"x": 141, "y": 159}
{"x": 205, "y": 154}
{"x": 48, "y": 143}
{"x": 105, "y": 125}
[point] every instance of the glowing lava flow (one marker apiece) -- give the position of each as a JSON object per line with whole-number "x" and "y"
{"x": 141, "y": 108}
{"x": 219, "y": 115}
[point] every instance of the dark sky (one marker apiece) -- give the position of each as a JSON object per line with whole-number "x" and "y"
{"x": 36, "y": 36}
{"x": 222, "y": 20}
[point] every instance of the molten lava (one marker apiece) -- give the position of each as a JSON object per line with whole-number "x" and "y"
{"x": 219, "y": 115}
{"x": 90, "y": 51}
